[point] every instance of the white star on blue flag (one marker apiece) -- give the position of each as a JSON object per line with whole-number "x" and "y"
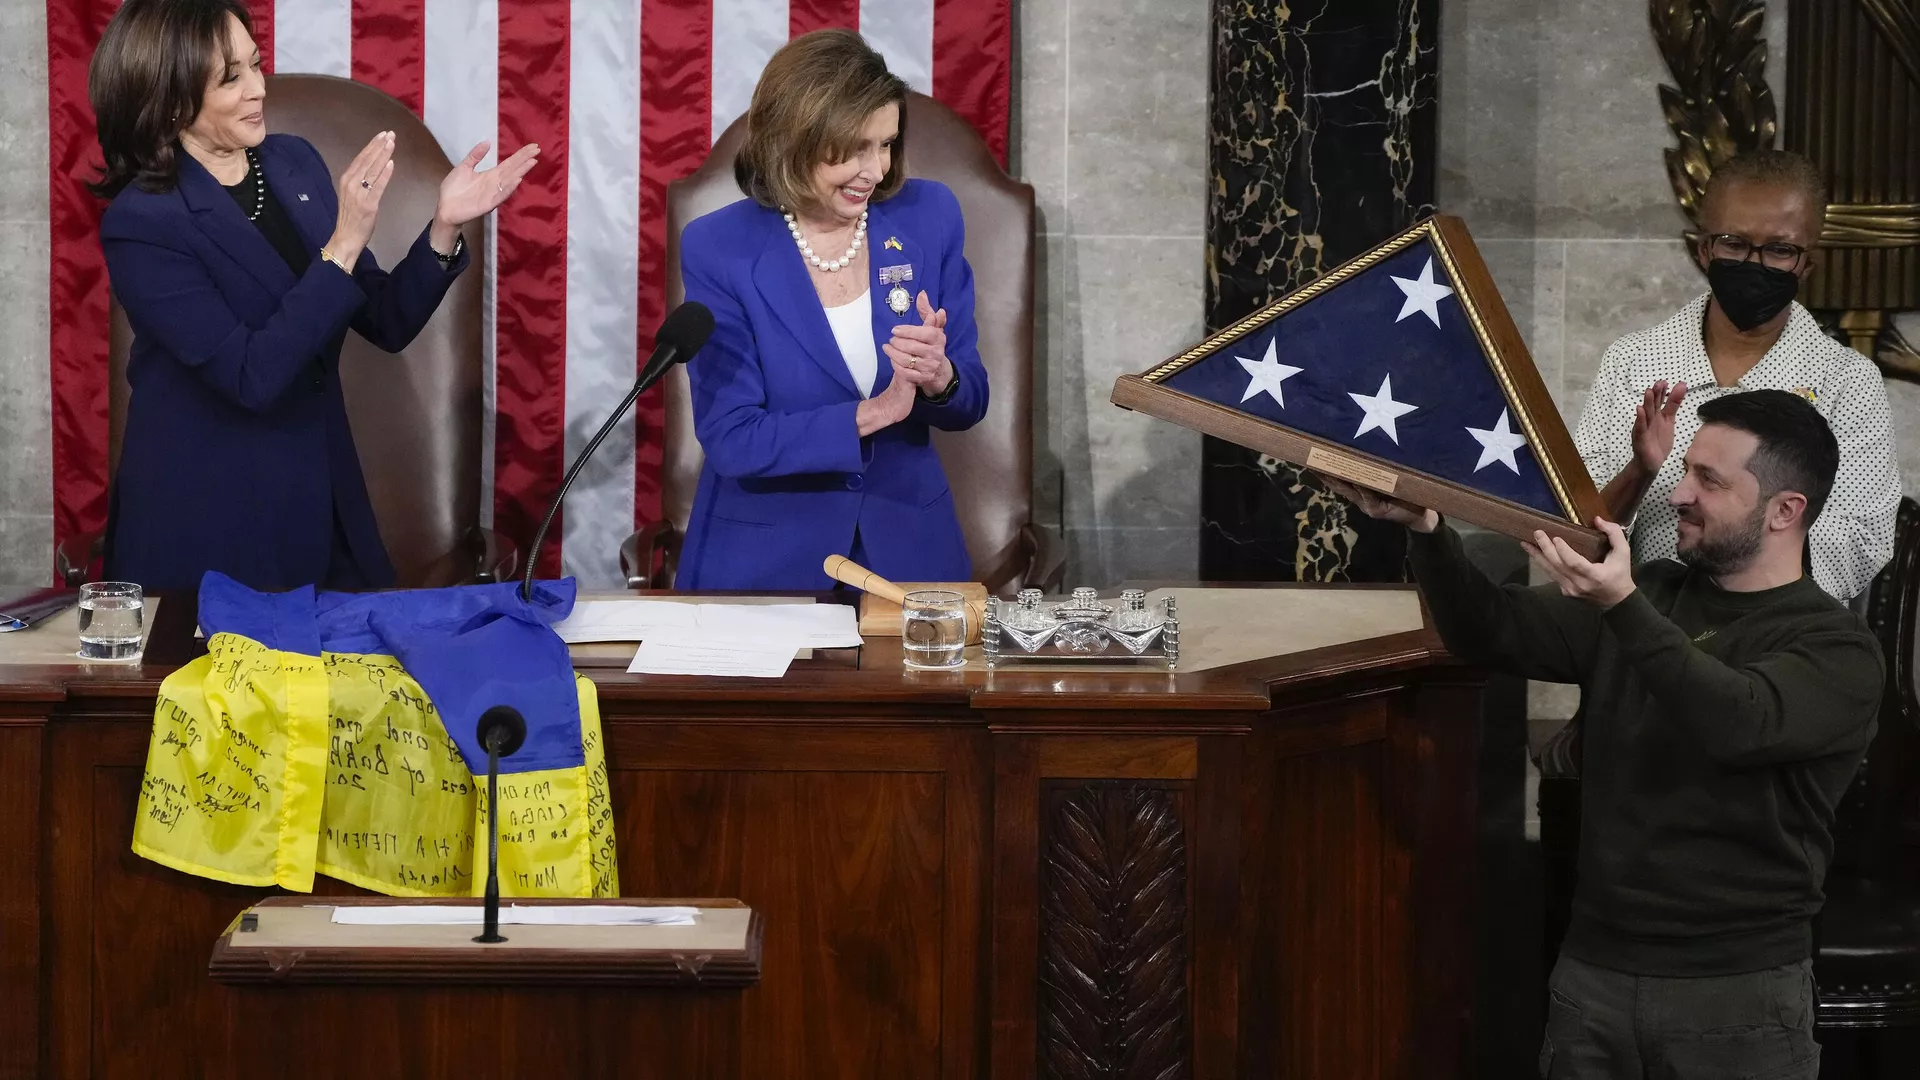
{"x": 1498, "y": 443}
{"x": 1381, "y": 410}
{"x": 1423, "y": 295}
{"x": 1266, "y": 375}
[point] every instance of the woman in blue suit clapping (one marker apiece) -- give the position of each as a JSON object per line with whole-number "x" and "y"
{"x": 241, "y": 265}
{"x": 843, "y": 334}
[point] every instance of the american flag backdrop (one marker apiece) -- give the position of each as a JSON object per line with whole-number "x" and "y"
{"x": 623, "y": 96}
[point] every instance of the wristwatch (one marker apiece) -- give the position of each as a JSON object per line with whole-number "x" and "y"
{"x": 946, "y": 395}
{"x": 459, "y": 245}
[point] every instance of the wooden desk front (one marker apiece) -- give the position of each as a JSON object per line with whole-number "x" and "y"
{"x": 1260, "y": 870}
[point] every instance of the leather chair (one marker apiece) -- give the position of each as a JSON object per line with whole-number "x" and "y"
{"x": 416, "y": 417}
{"x": 990, "y": 467}
{"x": 1867, "y": 940}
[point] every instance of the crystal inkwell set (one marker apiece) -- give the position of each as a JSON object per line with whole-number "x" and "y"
{"x": 1081, "y": 628}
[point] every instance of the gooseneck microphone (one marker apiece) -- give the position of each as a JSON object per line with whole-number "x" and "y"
{"x": 686, "y": 328}
{"x": 501, "y": 730}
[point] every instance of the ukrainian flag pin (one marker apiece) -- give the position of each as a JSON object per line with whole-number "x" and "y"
{"x": 894, "y": 243}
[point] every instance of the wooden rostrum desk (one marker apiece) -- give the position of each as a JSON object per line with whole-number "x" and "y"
{"x": 1258, "y": 866}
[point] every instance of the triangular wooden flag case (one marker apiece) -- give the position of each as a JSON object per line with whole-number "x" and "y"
{"x": 1401, "y": 371}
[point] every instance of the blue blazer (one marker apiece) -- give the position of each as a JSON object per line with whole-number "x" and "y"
{"x": 788, "y": 480}
{"x": 237, "y": 456}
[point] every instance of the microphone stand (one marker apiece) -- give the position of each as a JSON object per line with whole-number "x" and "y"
{"x": 685, "y": 330}
{"x": 553, "y": 508}
{"x": 490, "y": 930}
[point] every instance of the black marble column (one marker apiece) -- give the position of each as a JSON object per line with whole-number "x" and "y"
{"x": 1323, "y": 117}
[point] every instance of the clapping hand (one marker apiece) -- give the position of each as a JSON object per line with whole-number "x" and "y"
{"x": 1653, "y": 425}
{"x": 889, "y": 408}
{"x": 469, "y": 192}
{"x": 1602, "y": 584}
{"x": 919, "y": 353}
{"x": 359, "y": 188}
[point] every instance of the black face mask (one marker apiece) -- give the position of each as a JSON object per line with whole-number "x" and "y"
{"x": 1750, "y": 293}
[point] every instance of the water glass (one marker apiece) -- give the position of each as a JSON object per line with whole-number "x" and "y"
{"x": 110, "y": 620}
{"x": 933, "y": 629}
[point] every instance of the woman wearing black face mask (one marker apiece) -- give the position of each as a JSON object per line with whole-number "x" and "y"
{"x": 1761, "y": 219}
{"x": 1753, "y": 281}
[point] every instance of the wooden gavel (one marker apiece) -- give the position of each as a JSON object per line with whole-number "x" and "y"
{"x": 882, "y": 619}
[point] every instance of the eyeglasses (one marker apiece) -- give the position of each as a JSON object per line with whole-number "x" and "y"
{"x": 1778, "y": 255}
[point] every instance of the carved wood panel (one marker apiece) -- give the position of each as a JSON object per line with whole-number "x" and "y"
{"x": 1114, "y": 936}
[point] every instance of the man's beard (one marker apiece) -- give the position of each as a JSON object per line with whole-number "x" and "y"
{"x": 1722, "y": 553}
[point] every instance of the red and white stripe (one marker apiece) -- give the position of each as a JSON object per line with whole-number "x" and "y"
{"x": 623, "y": 96}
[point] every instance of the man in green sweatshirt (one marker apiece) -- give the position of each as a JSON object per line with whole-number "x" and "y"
{"x": 1727, "y": 702}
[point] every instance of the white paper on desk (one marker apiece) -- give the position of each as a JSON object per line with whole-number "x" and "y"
{"x": 596, "y": 915}
{"x": 698, "y": 654}
{"x": 810, "y": 626}
{"x": 516, "y": 914}
{"x": 626, "y": 620}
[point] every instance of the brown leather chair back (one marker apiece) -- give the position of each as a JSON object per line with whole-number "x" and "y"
{"x": 990, "y": 467}
{"x": 416, "y": 417}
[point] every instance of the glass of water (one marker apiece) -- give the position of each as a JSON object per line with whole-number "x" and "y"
{"x": 110, "y": 618}
{"x": 933, "y": 629}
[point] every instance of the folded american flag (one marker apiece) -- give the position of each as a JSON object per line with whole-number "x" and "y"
{"x": 1404, "y": 354}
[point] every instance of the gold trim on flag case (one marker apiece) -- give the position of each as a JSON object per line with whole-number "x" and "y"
{"x": 1346, "y": 467}
{"x": 1428, "y": 230}
{"x": 1499, "y": 364}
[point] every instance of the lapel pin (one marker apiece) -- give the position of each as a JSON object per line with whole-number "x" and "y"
{"x": 303, "y": 197}
{"x": 894, "y": 243}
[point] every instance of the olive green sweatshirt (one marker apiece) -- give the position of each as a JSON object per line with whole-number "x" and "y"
{"x": 1720, "y": 731}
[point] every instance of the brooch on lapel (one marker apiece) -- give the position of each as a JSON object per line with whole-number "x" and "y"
{"x": 893, "y": 242}
{"x": 898, "y": 300}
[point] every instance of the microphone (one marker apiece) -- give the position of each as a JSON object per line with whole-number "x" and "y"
{"x": 501, "y": 730}
{"x": 685, "y": 330}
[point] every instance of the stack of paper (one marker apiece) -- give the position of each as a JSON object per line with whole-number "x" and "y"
{"x": 759, "y": 658}
{"x": 756, "y": 640}
{"x": 625, "y": 620}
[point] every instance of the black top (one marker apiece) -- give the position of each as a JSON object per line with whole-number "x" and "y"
{"x": 273, "y": 222}
{"x": 1721, "y": 730}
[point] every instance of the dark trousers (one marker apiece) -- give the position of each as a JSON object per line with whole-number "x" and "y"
{"x": 1609, "y": 1025}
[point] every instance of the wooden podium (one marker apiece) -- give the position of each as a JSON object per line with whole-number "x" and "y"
{"x": 1258, "y": 866}
{"x": 290, "y": 941}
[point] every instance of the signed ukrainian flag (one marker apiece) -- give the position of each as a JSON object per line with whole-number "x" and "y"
{"x": 334, "y": 733}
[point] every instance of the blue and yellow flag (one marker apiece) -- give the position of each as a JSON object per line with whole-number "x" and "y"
{"x": 333, "y": 732}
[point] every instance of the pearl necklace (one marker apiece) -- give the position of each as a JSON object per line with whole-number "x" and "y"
{"x": 259, "y": 185}
{"x": 829, "y": 265}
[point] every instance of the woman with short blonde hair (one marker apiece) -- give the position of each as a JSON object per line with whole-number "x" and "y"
{"x": 835, "y": 259}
